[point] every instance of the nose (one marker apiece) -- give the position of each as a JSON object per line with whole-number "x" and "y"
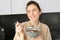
{"x": 32, "y": 13}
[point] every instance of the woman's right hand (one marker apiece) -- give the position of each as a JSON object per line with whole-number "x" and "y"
{"x": 19, "y": 28}
{"x": 19, "y": 31}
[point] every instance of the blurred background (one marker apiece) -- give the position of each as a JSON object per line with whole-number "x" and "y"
{"x": 15, "y": 10}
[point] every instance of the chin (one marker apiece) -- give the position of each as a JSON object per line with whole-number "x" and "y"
{"x": 32, "y": 19}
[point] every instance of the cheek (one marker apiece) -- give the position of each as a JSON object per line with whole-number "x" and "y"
{"x": 37, "y": 13}
{"x": 28, "y": 15}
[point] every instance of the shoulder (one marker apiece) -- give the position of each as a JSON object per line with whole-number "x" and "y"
{"x": 44, "y": 26}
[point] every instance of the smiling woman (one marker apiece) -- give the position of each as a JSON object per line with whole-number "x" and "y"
{"x": 32, "y": 29}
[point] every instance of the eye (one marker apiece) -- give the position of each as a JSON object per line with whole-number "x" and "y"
{"x": 35, "y": 9}
{"x": 28, "y": 11}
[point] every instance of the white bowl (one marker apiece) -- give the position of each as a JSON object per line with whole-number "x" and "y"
{"x": 32, "y": 34}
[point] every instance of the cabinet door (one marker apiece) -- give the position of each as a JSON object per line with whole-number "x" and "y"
{"x": 5, "y": 7}
{"x": 49, "y": 5}
{"x": 19, "y": 6}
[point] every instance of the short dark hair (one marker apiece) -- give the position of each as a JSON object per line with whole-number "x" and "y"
{"x": 35, "y": 3}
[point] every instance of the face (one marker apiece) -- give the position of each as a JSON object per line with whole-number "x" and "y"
{"x": 33, "y": 12}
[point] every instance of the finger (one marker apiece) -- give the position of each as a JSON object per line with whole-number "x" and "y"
{"x": 17, "y": 24}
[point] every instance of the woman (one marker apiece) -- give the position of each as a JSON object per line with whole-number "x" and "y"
{"x": 33, "y": 12}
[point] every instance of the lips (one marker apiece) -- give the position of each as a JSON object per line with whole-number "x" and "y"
{"x": 32, "y": 16}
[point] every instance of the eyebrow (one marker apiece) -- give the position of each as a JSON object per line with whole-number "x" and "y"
{"x": 32, "y": 9}
{"x": 35, "y": 8}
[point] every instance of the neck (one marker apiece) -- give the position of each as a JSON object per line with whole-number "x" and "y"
{"x": 36, "y": 22}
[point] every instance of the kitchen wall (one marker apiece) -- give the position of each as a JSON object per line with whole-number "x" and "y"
{"x": 18, "y": 6}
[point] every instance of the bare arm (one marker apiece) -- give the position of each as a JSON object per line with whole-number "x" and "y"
{"x": 19, "y": 35}
{"x": 16, "y": 37}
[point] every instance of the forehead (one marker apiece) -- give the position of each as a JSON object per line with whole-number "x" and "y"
{"x": 32, "y": 6}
